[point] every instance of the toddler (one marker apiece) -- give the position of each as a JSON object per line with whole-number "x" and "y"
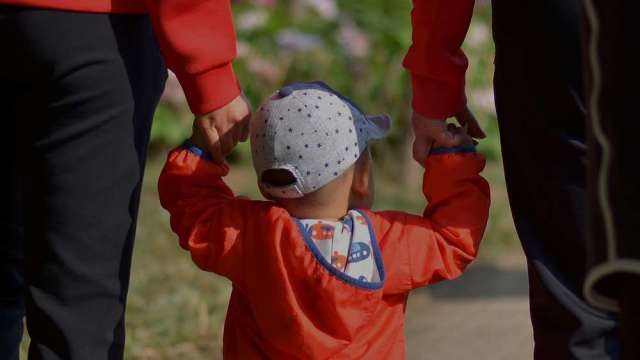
{"x": 316, "y": 273}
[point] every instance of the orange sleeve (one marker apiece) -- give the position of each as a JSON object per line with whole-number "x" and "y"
{"x": 198, "y": 43}
{"x": 420, "y": 250}
{"x": 209, "y": 221}
{"x": 435, "y": 61}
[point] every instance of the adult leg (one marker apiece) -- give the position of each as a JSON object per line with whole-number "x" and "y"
{"x": 613, "y": 53}
{"x": 11, "y": 257}
{"x": 88, "y": 87}
{"x": 538, "y": 90}
{"x": 630, "y": 319}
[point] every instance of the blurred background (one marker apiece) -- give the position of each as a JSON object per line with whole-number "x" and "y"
{"x": 176, "y": 311}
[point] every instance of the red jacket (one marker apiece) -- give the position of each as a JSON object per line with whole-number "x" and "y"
{"x": 196, "y": 38}
{"x": 435, "y": 61}
{"x": 285, "y": 303}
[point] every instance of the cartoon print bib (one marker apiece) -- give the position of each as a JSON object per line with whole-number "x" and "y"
{"x": 345, "y": 244}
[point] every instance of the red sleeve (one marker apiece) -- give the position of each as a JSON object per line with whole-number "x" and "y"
{"x": 198, "y": 42}
{"x": 419, "y": 250}
{"x": 209, "y": 221}
{"x": 435, "y": 61}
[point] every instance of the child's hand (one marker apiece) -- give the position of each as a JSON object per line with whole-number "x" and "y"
{"x": 429, "y": 131}
{"x": 460, "y": 133}
{"x": 219, "y": 131}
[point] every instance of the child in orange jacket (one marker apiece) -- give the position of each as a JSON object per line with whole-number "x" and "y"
{"x": 316, "y": 274}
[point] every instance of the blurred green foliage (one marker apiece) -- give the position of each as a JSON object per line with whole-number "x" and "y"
{"x": 167, "y": 129}
{"x": 357, "y": 49}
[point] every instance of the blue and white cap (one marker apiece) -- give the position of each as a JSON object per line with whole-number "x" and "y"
{"x": 313, "y": 132}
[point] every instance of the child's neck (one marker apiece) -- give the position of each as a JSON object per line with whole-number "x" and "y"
{"x": 331, "y": 202}
{"x": 308, "y": 210}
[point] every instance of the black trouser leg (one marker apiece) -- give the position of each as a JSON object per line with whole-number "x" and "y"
{"x": 538, "y": 90}
{"x": 11, "y": 258}
{"x": 613, "y": 54}
{"x": 629, "y": 302}
{"x": 86, "y": 86}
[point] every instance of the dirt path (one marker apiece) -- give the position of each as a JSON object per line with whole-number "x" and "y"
{"x": 483, "y": 315}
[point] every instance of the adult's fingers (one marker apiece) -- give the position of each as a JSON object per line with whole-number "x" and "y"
{"x": 421, "y": 148}
{"x": 198, "y": 138}
{"x": 449, "y": 139}
{"x": 236, "y": 132}
{"x": 466, "y": 118}
{"x": 213, "y": 142}
{"x": 241, "y": 130}
{"x": 226, "y": 140}
{"x": 226, "y": 145}
{"x": 244, "y": 128}
{"x": 244, "y": 134}
{"x": 204, "y": 129}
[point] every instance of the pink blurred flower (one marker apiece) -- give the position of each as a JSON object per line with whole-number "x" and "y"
{"x": 267, "y": 3}
{"x": 243, "y": 49}
{"x": 296, "y": 41}
{"x": 264, "y": 69}
{"x": 327, "y": 9}
{"x": 483, "y": 100}
{"x": 251, "y": 20}
{"x": 173, "y": 94}
{"x": 479, "y": 35}
{"x": 353, "y": 40}
{"x": 258, "y": 66}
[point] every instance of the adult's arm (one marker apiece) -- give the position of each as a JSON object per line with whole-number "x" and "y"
{"x": 435, "y": 61}
{"x": 198, "y": 43}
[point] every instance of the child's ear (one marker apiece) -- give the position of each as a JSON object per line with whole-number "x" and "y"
{"x": 362, "y": 176}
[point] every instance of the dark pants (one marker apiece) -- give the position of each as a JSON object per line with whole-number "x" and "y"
{"x": 613, "y": 58}
{"x": 77, "y": 95}
{"x": 540, "y": 102}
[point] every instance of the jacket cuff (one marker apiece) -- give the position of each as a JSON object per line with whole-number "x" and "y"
{"x": 452, "y": 150}
{"x": 210, "y": 90}
{"x": 437, "y": 99}
{"x": 201, "y": 153}
{"x": 470, "y": 163}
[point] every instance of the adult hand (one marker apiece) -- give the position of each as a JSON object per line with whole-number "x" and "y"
{"x": 219, "y": 131}
{"x": 429, "y": 132}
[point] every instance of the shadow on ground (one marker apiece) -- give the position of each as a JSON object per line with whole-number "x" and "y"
{"x": 482, "y": 315}
{"x": 482, "y": 280}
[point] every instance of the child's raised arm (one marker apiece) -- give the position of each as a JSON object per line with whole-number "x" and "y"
{"x": 419, "y": 250}
{"x": 206, "y": 216}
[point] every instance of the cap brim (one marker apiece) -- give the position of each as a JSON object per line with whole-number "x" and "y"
{"x": 379, "y": 125}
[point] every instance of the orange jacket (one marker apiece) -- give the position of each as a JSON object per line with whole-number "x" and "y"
{"x": 196, "y": 37}
{"x": 285, "y": 304}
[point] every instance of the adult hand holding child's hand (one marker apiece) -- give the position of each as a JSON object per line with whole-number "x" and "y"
{"x": 430, "y": 131}
{"x": 219, "y": 131}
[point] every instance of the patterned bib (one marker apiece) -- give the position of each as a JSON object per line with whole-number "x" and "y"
{"x": 346, "y": 244}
